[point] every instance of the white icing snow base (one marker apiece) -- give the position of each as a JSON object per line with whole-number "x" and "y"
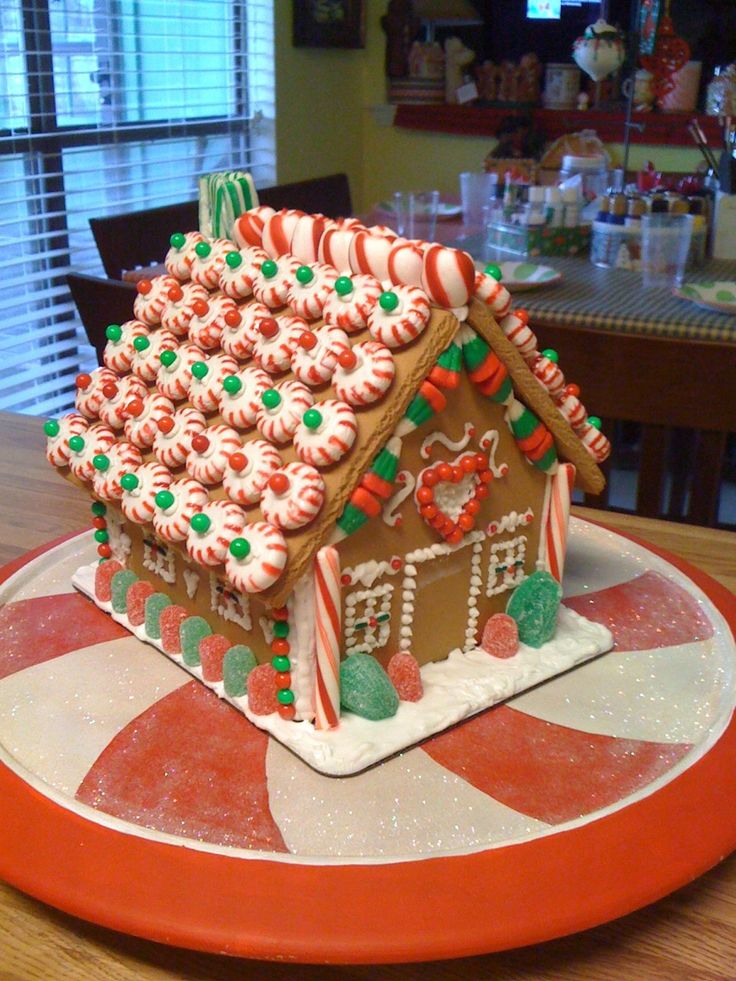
{"x": 454, "y": 689}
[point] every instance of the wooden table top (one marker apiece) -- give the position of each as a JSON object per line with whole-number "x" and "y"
{"x": 690, "y": 934}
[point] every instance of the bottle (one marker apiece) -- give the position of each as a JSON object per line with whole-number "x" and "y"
{"x": 571, "y": 206}
{"x": 617, "y": 209}
{"x": 603, "y": 209}
{"x": 555, "y": 211}
{"x": 535, "y": 212}
{"x": 635, "y": 208}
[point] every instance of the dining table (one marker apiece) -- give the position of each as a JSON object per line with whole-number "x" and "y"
{"x": 688, "y": 934}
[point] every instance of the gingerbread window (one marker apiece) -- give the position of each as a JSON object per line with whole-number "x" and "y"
{"x": 368, "y": 619}
{"x": 506, "y": 565}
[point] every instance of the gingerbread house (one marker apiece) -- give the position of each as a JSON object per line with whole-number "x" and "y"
{"x": 324, "y": 461}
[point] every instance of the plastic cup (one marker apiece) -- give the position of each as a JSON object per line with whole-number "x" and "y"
{"x": 476, "y": 192}
{"x": 415, "y": 213}
{"x": 665, "y": 243}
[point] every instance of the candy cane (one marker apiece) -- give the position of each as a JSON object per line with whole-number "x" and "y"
{"x": 456, "y": 445}
{"x": 327, "y": 637}
{"x": 405, "y": 480}
{"x": 557, "y": 513}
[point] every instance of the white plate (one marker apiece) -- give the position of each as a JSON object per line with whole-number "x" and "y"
{"x": 717, "y": 294}
{"x": 519, "y": 276}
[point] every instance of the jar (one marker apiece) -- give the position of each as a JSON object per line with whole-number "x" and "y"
{"x": 593, "y": 172}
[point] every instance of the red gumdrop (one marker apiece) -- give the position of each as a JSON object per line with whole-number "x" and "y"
{"x": 500, "y": 636}
{"x": 103, "y": 579}
{"x": 403, "y": 670}
{"x": 262, "y": 690}
{"x": 212, "y": 650}
{"x": 169, "y": 623}
{"x": 136, "y": 601}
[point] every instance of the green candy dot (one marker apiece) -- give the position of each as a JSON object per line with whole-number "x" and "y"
{"x": 271, "y": 398}
{"x": 167, "y": 358}
{"x": 101, "y": 536}
{"x": 141, "y": 343}
{"x": 240, "y": 548}
{"x": 493, "y": 270}
{"x": 595, "y": 422}
{"x": 343, "y": 285}
{"x": 281, "y": 663}
{"x": 388, "y": 301}
{"x": 129, "y": 481}
{"x": 200, "y": 523}
{"x": 51, "y": 428}
{"x": 281, "y": 629}
{"x": 76, "y": 444}
{"x": 232, "y": 384}
{"x": 312, "y": 418}
{"x": 233, "y": 259}
{"x": 101, "y": 462}
{"x": 199, "y": 369}
{"x": 203, "y": 249}
{"x": 164, "y": 500}
{"x": 99, "y": 510}
{"x": 113, "y": 332}
{"x": 551, "y": 355}
{"x": 304, "y": 275}
{"x": 177, "y": 240}
{"x": 285, "y": 696}
{"x": 269, "y": 269}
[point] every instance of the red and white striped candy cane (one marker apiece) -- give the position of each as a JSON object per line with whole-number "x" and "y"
{"x": 206, "y": 268}
{"x": 174, "y": 380}
{"x": 369, "y": 254}
{"x": 364, "y": 374}
{"x": 557, "y": 514}
{"x": 248, "y": 471}
{"x": 89, "y": 395}
{"x": 209, "y": 547}
{"x": 272, "y": 286}
{"x": 239, "y": 408}
{"x": 281, "y": 410}
{"x": 276, "y": 342}
{"x": 239, "y": 272}
{"x": 205, "y": 391}
{"x": 180, "y": 257}
{"x": 405, "y": 263}
{"x": 208, "y": 458}
{"x": 488, "y": 290}
{"x": 548, "y": 374}
{"x": 404, "y": 322}
{"x": 308, "y": 299}
{"x": 97, "y": 441}
{"x": 278, "y": 231}
{"x": 448, "y": 276}
{"x": 122, "y": 457}
{"x": 328, "y": 638}
{"x": 114, "y": 407}
{"x": 146, "y": 361}
{"x": 178, "y": 312}
{"x": 144, "y": 416}
{"x": 139, "y": 503}
{"x": 118, "y": 354}
{"x": 264, "y": 562}
{"x": 173, "y": 441}
{"x": 515, "y": 326}
{"x": 57, "y": 447}
{"x": 329, "y": 436}
{"x": 172, "y": 523}
{"x": 152, "y": 295}
{"x": 306, "y": 237}
{"x": 350, "y": 311}
{"x": 315, "y": 357}
{"x": 248, "y": 228}
{"x": 293, "y": 496}
{"x": 238, "y": 339}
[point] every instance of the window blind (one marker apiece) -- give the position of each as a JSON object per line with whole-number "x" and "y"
{"x": 110, "y": 106}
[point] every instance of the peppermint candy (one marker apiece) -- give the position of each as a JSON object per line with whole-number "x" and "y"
{"x": 549, "y": 375}
{"x": 310, "y": 290}
{"x": 248, "y": 471}
{"x": 114, "y": 407}
{"x": 179, "y": 309}
{"x": 281, "y": 410}
{"x": 240, "y": 398}
{"x": 370, "y": 251}
{"x": 276, "y": 342}
{"x": 208, "y": 261}
{"x": 210, "y": 318}
{"x": 248, "y": 228}
{"x": 148, "y": 350}
{"x": 210, "y": 451}
{"x": 211, "y": 530}
{"x": 334, "y": 246}
{"x": 140, "y": 488}
{"x": 58, "y": 432}
{"x": 595, "y": 442}
{"x": 174, "y": 376}
{"x": 293, "y": 496}
{"x": 307, "y": 234}
{"x": 573, "y": 410}
{"x": 364, "y": 373}
{"x": 515, "y": 327}
{"x": 256, "y": 559}
{"x": 315, "y": 356}
{"x": 121, "y": 458}
{"x": 488, "y": 290}
{"x": 173, "y": 441}
{"x": 405, "y": 263}
{"x": 273, "y": 282}
{"x": 207, "y": 378}
{"x": 144, "y": 416}
{"x": 181, "y": 255}
{"x": 448, "y": 276}
{"x": 239, "y": 339}
{"x": 89, "y": 396}
{"x": 400, "y": 316}
{"x": 278, "y": 230}
{"x": 96, "y": 441}
{"x": 239, "y": 272}
{"x": 151, "y": 297}
{"x": 119, "y": 350}
{"x": 350, "y": 304}
{"x": 326, "y": 433}
{"x": 187, "y": 498}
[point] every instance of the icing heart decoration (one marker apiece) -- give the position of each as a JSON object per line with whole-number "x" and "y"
{"x": 449, "y": 495}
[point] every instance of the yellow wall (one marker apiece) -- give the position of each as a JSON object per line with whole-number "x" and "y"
{"x": 328, "y": 119}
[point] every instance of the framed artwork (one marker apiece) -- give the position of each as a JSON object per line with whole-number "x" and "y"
{"x": 329, "y": 24}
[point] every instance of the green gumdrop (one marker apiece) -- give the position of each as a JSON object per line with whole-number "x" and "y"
{"x": 155, "y": 603}
{"x": 237, "y": 664}
{"x": 119, "y": 586}
{"x": 365, "y": 688}
{"x": 534, "y": 606}
{"x": 192, "y": 630}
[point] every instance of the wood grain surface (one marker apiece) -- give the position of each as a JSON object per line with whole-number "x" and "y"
{"x": 688, "y": 935}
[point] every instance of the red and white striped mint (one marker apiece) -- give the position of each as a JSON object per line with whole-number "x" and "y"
{"x": 293, "y": 496}
{"x": 488, "y": 290}
{"x": 315, "y": 357}
{"x": 206, "y": 269}
{"x": 139, "y": 504}
{"x": 178, "y": 312}
{"x": 97, "y": 441}
{"x": 364, "y": 373}
{"x": 144, "y": 416}
{"x": 276, "y": 342}
{"x": 573, "y": 410}
{"x": 248, "y": 228}
{"x": 405, "y": 322}
{"x": 179, "y": 259}
{"x": 172, "y": 523}
{"x": 173, "y": 441}
{"x": 118, "y": 355}
{"x": 174, "y": 380}
{"x": 57, "y": 447}
{"x": 89, "y": 396}
{"x": 239, "y": 409}
{"x": 334, "y": 246}
{"x": 278, "y": 231}
{"x": 239, "y": 339}
{"x": 265, "y": 561}
{"x": 236, "y": 281}
{"x": 448, "y": 276}
{"x": 307, "y": 300}
{"x": 549, "y": 375}
{"x": 350, "y": 311}
{"x": 122, "y": 457}
{"x": 277, "y": 423}
{"x": 248, "y": 471}
{"x": 369, "y": 253}
{"x": 226, "y": 521}
{"x": 405, "y": 263}
{"x": 152, "y": 295}
{"x": 205, "y": 392}
{"x": 516, "y": 327}
{"x": 595, "y": 442}
{"x": 305, "y": 239}
{"x": 331, "y": 439}
{"x": 209, "y": 320}
{"x": 210, "y": 451}
{"x": 273, "y": 290}
{"x": 114, "y": 406}
{"x": 145, "y": 363}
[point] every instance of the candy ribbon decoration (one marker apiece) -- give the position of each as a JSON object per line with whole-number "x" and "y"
{"x": 327, "y": 631}
{"x": 223, "y": 197}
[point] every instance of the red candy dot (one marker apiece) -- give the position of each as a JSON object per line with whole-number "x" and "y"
{"x": 457, "y": 475}
{"x": 83, "y": 381}
{"x": 485, "y": 476}
{"x": 99, "y": 523}
{"x": 430, "y": 478}
{"x": 307, "y": 340}
{"x": 425, "y": 495}
{"x": 287, "y": 712}
{"x": 238, "y": 461}
{"x": 232, "y": 318}
{"x": 175, "y": 294}
{"x": 572, "y": 389}
{"x": 283, "y": 679}
{"x": 268, "y": 327}
{"x": 165, "y": 425}
{"x": 200, "y": 308}
{"x": 455, "y": 537}
{"x": 347, "y": 359}
{"x": 428, "y": 511}
{"x": 396, "y": 564}
{"x": 468, "y": 464}
{"x": 279, "y": 483}
{"x": 134, "y": 408}
{"x": 480, "y": 461}
{"x": 280, "y": 646}
{"x": 200, "y": 443}
{"x": 466, "y": 521}
{"x": 104, "y": 551}
{"x": 280, "y": 613}
{"x": 472, "y": 507}
{"x": 345, "y": 580}
{"x": 110, "y": 390}
{"x": 481, "y": 492}
{"x": 444, "y": 471}
{"x": 144, "y": 286}
{"x": 522, "y": 315}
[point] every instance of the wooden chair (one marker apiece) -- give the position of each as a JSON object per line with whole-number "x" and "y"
{"x": 320, "y": 195}
{"x": 682, "y": 394}
{"x": 100, "y": 302}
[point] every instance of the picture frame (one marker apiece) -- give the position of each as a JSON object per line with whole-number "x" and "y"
{"x": 329, "y": 24}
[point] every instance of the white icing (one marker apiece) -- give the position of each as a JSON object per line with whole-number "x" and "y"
{"x": 456, "y": 445}
{"x": 159, "y": 560}
{"x": 489, "y": 443}
{"x": 506, "y": 565}
{"x": 229, "y": 604}
{"x": 366, "y": 573}
{"x": 406, "y": 481}
{"x": 191, "y": 582}
{"x": 509, "y": 522}
{"x": 367, "y": 619}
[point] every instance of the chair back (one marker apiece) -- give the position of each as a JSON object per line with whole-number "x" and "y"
{"x": 100, "y": 302}
{"x": 140, "y": 238}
